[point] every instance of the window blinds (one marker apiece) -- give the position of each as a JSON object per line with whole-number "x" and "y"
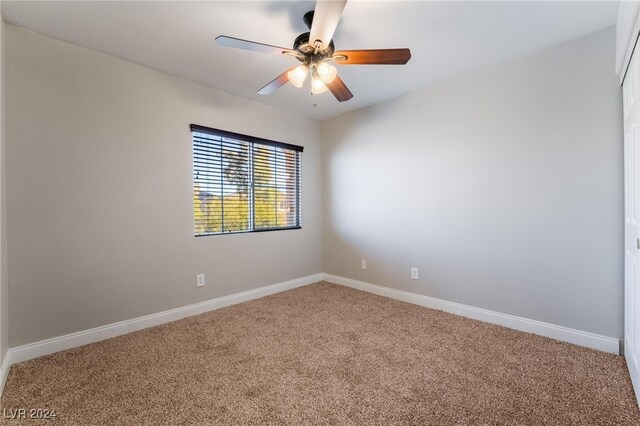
{"x": 243, "y": 183}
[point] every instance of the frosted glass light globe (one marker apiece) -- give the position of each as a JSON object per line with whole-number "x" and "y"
{"x": 318, "y": 86}
{"x": 298, "y": 75}
{"x": 327, "y": 72}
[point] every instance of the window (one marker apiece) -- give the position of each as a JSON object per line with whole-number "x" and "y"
{"x": 243, "y": 183}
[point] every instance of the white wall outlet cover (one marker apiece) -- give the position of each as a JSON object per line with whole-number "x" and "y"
{"x": 200, "y": 280}
{"x": 414, "y": 273}
{"x": 363, "y": 264}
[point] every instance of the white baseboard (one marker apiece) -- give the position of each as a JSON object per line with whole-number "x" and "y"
{"x": 4, "y": 371}
{"x": 577, "y": 337}
{"x": 73, "y": 340}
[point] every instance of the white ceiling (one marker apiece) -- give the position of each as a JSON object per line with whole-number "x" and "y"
{"x": 446, "y": 39}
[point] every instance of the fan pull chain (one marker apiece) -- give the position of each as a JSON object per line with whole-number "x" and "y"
{"x": 313, "y": 92}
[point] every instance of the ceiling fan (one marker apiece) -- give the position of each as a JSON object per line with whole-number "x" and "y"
{"x": 316, "y": 52}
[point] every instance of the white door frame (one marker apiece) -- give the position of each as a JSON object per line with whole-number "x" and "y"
{"x": 631, "y": 112}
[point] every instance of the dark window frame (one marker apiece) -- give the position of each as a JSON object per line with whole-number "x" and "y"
{"x": 252, "y": 141}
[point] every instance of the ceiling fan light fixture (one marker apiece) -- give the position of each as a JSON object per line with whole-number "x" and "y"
{"x": 298, "y": 75}
{"x": 318, "y": 86}
{"x": 327, "y": 72}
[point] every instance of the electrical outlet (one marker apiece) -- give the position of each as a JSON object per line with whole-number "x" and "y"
{"x": 363, "y": 264}
{"x": 200, "y": 280}
{"x": 414, "y": 273}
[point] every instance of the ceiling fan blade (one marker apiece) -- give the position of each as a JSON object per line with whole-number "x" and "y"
{"x": 325, "y": 20}
{"x": 373, "y": 57}
{"x": 339, "y": 89}
{"x": 276, "y": 83}
{"x": 239, "y": 43}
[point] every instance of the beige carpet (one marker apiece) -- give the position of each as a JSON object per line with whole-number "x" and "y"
{"x": 326, "y": 354}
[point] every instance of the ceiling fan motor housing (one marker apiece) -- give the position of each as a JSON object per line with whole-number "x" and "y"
{"x": 302, "y": 45}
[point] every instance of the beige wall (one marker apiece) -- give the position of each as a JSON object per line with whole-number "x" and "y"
{"x": 504, "y": 187}
{"x": 99, "y": 191}
{"x": 4, "y": 301}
